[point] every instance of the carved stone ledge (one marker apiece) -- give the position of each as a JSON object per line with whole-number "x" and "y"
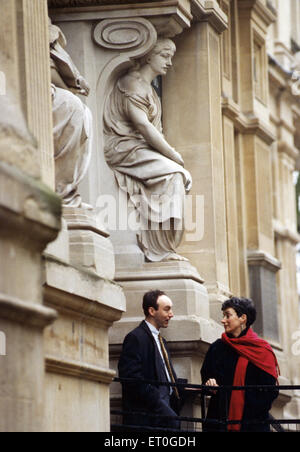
{"x": 30, "y": 314}
{"x": 283, "y": 232}
{"x": 169, "y": 17}
{"x": 72, "y": 3}
{"x": 210, "y": 11}
{"x": 286, "y": 148}
{"x": 89, "y": 245}
{"x": 29, "y": 210}
{"x": 154, "y": 271}
{"x": 247, "y": 124}
{"x": 265, "y": 14}
{"x": 263, "y": 259}
{"x": 77, "y": 369}
{"x": 82, "y": 293}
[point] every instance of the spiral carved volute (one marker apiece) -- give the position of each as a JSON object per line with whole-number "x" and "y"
{"x": 134, "y": 36}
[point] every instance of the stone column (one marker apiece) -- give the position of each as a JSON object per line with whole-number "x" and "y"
{"x": 29, "y": 216}
{"x": 285, "y": 156}
{"x": 29, "y": 212}
{"x": 257, "y": 138}
{"x": 33, "y": 64}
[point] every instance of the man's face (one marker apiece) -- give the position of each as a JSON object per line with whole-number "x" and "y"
{"x": 161, "y": 317}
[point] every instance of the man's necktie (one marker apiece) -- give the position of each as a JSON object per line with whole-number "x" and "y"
{"x": 166, "y": 358}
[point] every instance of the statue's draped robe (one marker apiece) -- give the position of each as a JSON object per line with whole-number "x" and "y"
{"x": 155, "y": 184}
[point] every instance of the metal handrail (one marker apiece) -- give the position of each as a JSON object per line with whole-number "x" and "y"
{"x": 205, "y": 391}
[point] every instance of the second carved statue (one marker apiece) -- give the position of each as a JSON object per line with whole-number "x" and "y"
{"x": 146, "y": 167}
{"x": 72, "y": 121}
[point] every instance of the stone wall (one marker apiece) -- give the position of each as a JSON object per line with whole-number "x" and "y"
{"x": 229, "y": 108}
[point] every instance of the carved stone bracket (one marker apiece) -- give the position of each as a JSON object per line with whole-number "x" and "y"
{"x": 124, "y": 40}
{"x": 136, "y": 36}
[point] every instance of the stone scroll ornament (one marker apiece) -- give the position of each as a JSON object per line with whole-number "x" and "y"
{"x": 72, "y": 121}
{"x": 146, "y": 167}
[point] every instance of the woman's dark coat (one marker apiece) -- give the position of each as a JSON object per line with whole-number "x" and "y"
{"x": 220, "y": 363}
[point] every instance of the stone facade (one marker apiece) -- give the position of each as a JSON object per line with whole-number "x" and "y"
{"x": 71, "y": 282}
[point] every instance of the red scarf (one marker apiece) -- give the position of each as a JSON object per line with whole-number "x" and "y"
{"x": 257, "y": 351}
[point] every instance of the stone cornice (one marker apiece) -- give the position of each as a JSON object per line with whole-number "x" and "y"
{"x": 247, "y": 124}
{"x": 288, "y": 149}
{"x": 210, "y": 11}
{"x": 29, "y": 210}
{"x": 74, "y": 289}
{"x": 266, "y": 14}
{"x": 117, "y": 4}
{"x": 262, "y": 259}
{"x": 284, "y": 232}
{"x": 71, "y": 368}
{"x": 169, "y": 17}
{"x": 25, "y": 312}
{"x": 177, "y": 14}
{"x": 153, "y": 271}
{"x": 80, "y": 3}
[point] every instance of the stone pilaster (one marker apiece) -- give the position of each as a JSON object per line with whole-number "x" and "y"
{"x": 29, "y": 215}
{"x": 198, "y": 137}
{"x": 285, "y": 120}
{"x": 25, "y": 62}
{"x": 78, "y": 373}
{"x": 29, "y": 212}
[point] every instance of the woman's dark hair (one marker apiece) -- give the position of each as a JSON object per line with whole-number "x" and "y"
{"x": 241, "y": 306}
{"x": 150, "y": 300}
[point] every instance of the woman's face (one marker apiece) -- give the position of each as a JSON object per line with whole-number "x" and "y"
{"x": 232, "y": 323}
{"x": 162, "y": 61}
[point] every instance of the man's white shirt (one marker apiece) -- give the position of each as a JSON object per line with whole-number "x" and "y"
{"x": 155, "y": 334}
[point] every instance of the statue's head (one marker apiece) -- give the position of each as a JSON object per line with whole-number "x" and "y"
{"x": 55, "y": 34}
{"x": 160, "y": 57}
{"x": 163, "y": 45}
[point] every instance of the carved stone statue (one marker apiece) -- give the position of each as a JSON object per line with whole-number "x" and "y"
{"x": 146, "y": 167}
{"x": 72, "y": 121}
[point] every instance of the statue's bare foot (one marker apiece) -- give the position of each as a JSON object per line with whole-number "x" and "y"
{"x": 175, "y": 257}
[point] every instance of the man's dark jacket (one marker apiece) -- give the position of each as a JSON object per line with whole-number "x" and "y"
{"x": 141, "y": 360}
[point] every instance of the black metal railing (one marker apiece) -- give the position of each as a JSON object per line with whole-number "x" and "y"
{"x": 200, "y": 395}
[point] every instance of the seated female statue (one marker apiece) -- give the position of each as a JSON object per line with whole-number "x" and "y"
{"x": 146, "y": 167}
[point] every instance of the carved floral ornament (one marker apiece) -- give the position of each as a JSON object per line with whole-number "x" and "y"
{"x": 137, "y": 36}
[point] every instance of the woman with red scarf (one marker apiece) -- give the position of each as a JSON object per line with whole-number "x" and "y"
{"x": 239, "y": 358}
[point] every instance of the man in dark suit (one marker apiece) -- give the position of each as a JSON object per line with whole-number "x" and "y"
{"x": 145, "y": 357}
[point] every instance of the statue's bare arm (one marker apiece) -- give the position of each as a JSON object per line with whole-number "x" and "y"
{"x": 153, "y": 137}
{"x": 57, "y": 80}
